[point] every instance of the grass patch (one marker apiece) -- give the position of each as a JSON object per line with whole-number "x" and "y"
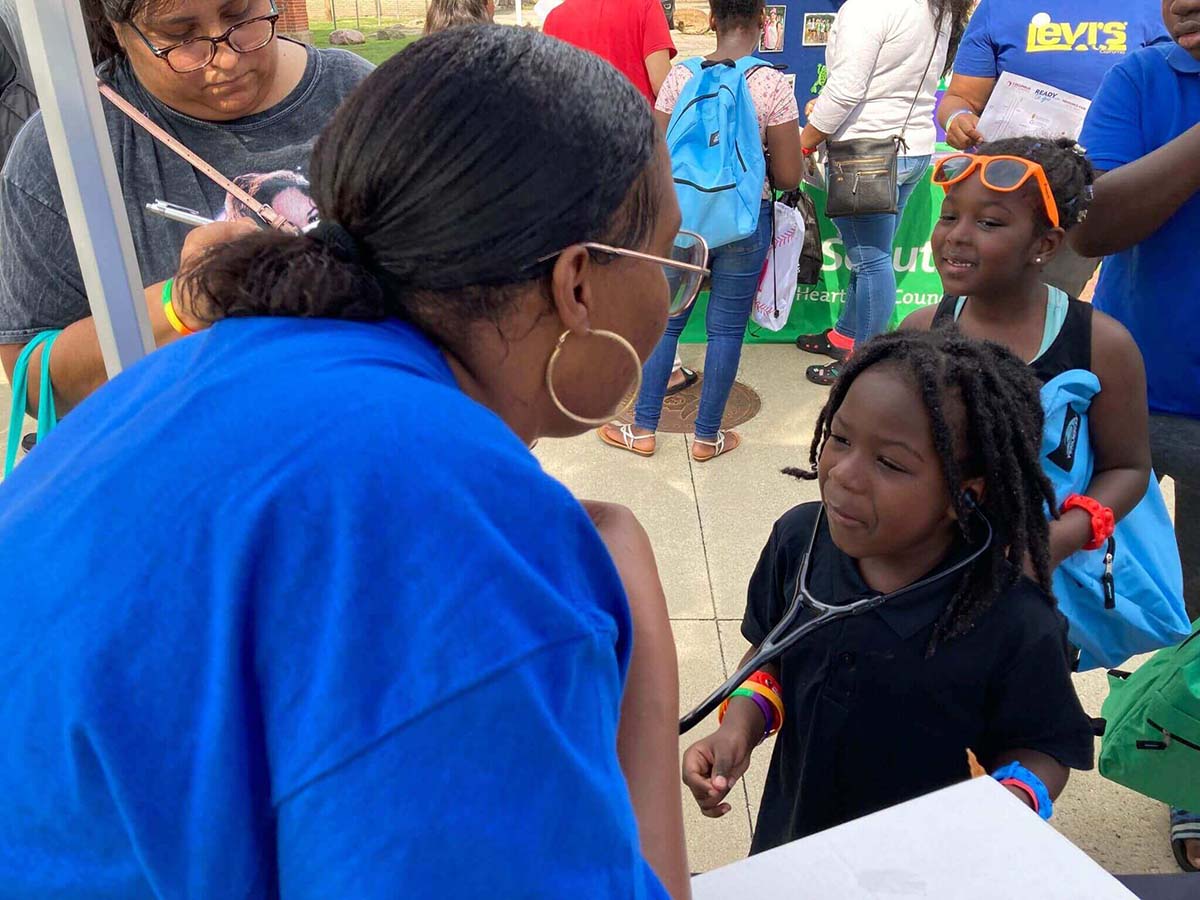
{"x": 373, "y": 51}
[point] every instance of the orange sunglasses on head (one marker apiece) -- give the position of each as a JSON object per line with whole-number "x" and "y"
{"x": 998, "y": 173}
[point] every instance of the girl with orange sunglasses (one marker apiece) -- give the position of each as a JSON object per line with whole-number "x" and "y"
{"x": 1005, "y": 216}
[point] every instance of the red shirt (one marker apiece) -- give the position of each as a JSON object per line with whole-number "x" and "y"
{"x": 624, "y": 32}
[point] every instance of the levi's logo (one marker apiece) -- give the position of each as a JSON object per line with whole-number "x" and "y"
{"x": 1064, "y": 455}
{"x": 714, "y": 139}
{"x": 1104, "y": 37}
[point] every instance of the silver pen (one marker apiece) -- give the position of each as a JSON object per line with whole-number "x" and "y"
{"x": 177, "y": 213}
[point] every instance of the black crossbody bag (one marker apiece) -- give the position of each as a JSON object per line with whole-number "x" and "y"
{"x": 862, "y": 172}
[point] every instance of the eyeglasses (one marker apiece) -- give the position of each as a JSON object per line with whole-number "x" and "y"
{"x": 998, "y": 173}
{"x": 685, "y": 270}
{"x": 194, "y": 54}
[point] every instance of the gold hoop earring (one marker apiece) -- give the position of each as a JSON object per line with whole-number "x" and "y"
{"x": 625, "y": 403}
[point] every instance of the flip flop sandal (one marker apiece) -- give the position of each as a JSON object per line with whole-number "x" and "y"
{"x": 628, "y": 440}
{"x": 1183, "y": 828}
{"x": 820, "y": 345}
{"x": 718, "y": 445}
{"x": 689, "y": 378}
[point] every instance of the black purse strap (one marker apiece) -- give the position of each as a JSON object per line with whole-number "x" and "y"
{"x": 937, "y": 38}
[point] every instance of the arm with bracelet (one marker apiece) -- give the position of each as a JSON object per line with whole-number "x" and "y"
{"x": 713, "y": 765}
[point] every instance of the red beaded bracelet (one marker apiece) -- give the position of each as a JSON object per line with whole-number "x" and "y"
{"x": 1103, "y": 521}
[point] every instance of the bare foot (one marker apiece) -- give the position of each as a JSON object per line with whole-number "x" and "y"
{"x": 1192, "y": 848}
{"x": 703, "y": 452}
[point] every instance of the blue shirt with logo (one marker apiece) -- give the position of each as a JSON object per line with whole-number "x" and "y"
{"x": 287, "y": 614}
{"x": 1067, "y": 45}
{"x": 1148, "y": 100}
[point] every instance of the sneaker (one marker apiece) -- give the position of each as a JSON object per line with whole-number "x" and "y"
{"x": 820, "y": 345}
{"x": 825, "y": 374}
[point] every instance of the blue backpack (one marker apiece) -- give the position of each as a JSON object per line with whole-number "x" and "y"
{"x": 1137, "y": 606}
{"x": 717, "y": 156}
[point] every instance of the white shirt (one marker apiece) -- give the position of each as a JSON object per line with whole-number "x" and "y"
{"x": 876, "y": 54}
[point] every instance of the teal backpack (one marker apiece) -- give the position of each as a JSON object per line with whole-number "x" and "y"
{"x": 1126, "y": 598}
{"x": 1151, "y": 742}
{"x": 717, "y": 157}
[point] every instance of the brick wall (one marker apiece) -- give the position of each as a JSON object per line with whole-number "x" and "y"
{"x": 293, "y": 20}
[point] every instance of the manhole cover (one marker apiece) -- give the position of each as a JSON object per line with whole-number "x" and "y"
{"x": 679, "y": 410}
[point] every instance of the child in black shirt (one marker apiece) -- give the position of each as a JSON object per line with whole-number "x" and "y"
{"x": 922, "y": 435}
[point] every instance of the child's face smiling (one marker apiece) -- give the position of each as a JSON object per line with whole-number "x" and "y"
{"x": 882, "y": 479}
{"x": 987, "y": 241}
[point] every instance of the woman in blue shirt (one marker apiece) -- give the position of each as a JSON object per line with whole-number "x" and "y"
{"x": 300, "y": 615}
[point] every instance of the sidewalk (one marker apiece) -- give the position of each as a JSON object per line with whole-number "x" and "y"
{"x": 709, "y": 522}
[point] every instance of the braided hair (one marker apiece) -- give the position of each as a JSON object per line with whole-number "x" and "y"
{"x": 986, "y": 414}
{"x": 1067, "y": 169}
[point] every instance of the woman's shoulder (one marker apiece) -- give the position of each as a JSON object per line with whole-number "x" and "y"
{"x": 344, "y": 65}
{"x": 29, "y": 164}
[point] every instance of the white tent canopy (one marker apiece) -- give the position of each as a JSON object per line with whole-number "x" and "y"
{"x": 56, "y": 42}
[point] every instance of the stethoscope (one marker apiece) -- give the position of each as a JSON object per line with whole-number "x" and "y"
{"x": 779, "y": 640}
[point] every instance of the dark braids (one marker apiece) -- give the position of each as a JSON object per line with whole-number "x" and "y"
{"x": 986, "y": 417}
{"x": 1067, "y": 168}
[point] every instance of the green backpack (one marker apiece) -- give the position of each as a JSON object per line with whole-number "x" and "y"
{"x": 1152, "y": 740}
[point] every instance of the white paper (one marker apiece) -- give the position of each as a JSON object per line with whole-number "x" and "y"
{"x": 1021, "y": 107}
{"x": 973, "y": 840}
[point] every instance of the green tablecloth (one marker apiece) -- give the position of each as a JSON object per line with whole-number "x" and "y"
{"x": 817, "y": 307}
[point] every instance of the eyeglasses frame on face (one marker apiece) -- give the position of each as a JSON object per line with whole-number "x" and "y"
{"x": 979, "y": 162}
{"x": 701, "y": 269}
{"x": 163, "y": 53}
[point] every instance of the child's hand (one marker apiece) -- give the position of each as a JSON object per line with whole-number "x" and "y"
{"x": 712, "y": 766}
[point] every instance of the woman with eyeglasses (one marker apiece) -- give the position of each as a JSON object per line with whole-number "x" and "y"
{"x": 218, "y": 78}
{"x": 299, "y": 613}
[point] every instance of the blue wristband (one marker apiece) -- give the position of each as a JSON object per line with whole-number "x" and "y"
{"x": 1018, "y": 772}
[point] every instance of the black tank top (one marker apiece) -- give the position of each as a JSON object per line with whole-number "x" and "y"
{"x": 1070, "y": 349}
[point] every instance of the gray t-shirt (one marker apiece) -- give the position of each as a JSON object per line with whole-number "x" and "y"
{"x": 267, "y": 154}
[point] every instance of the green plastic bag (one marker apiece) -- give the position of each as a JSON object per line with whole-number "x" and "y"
{"x": 1151, "y": 741}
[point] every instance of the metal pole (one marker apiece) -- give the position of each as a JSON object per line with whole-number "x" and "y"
{"x": 520, "y": 14}
{"x": 357, "y": 17}
{"x": 56, "y": 41}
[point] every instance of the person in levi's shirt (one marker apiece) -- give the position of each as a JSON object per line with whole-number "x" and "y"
{"x": 631, "y": 34}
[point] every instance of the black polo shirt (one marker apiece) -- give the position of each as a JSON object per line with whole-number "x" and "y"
{"x": 870, "y": 720}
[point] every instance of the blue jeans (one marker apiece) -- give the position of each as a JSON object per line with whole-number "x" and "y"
{"x": 871, "y": 293}
{"x": 736, "y": 270}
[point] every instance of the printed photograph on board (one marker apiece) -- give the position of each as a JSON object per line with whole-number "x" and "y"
{"x": 816, "y": 29}
{"x": 771, "y": 39}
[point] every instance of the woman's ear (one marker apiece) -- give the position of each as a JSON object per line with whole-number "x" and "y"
{"x": 570, "y": 288}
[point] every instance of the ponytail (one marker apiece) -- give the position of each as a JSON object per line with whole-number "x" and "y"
{"x": 270, "y": 273}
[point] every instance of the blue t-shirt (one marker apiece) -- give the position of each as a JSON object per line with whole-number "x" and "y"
{"x": 1145, "y": 102}
{"x": 287, "y": 614}
{"x": 1068, "y": 45}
